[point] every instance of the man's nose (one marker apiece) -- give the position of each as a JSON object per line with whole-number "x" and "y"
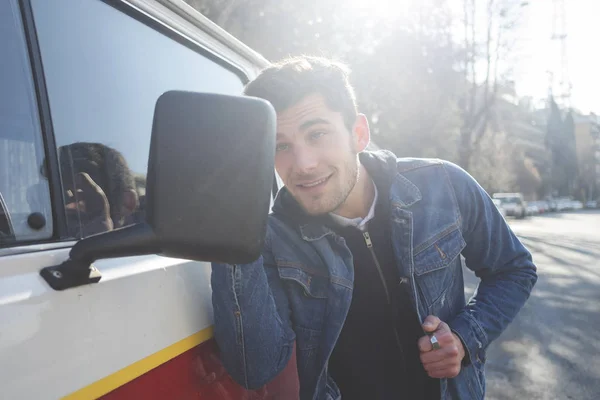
{"x": 305, "y": 160}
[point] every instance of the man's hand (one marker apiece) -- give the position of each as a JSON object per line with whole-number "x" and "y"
{"x": 90, "y": 206}
{"x": 446, "y": 361}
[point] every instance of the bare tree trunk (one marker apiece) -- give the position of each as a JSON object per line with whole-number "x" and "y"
{"x": 488, "y": 55}
{"x": 477, "y": 108}
{"x": 473, "y": 58}
{"x": 464, "y": 151}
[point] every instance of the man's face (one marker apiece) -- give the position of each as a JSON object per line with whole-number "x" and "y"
{"x": 317, "y": 154}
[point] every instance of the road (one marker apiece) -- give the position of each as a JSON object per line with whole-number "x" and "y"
{"x": 552, "y": 349}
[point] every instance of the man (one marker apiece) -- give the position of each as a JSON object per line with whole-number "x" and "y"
{"x": 100, "y": 190}
{"x": 361, "y": 269}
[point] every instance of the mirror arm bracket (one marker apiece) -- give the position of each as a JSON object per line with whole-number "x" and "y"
{"x": 78, "y": 270}
{"x": 70, "y": 274}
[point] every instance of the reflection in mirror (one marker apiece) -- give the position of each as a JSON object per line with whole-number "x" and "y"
{"x": 99, "y": 189}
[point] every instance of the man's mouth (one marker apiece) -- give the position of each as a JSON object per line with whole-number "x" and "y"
{"x": 315, "y": 183}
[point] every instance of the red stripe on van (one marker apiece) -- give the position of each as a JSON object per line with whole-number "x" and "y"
{"x": 198, "y": 374}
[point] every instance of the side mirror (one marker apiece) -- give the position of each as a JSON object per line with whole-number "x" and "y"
{"x": 209, "y": 181}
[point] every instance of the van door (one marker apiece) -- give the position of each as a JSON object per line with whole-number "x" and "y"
{"x": 76, "y": 112}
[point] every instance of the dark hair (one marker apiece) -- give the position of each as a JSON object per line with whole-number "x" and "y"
{"x": 289, "y": 81}
{"x": 105, "y": 165}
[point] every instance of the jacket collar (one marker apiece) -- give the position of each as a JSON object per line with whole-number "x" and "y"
{"x": 404, "y": 193}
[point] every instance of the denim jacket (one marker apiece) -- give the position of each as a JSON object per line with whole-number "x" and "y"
{"x": 300, "y": 289}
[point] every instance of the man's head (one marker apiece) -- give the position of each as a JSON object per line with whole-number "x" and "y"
{"x": 93, "y": 167}
{"x": 319, "y": 132}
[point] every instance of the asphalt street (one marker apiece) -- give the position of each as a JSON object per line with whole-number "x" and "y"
{"x": 552, "y": 349}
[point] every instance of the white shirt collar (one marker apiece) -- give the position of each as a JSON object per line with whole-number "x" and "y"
{"x": 360, "y": 223}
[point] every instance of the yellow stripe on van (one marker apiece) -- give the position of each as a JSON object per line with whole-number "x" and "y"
{"x": 139, "y": 368}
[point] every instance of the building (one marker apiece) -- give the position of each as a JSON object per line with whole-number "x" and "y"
{"x": 526, "y": 132}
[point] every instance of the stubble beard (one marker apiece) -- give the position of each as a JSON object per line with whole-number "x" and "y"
{"x": 330, "y": 202}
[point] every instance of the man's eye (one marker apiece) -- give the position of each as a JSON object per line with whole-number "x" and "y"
{"x": 316, "y": 135}
{"x": 281, "y": 147}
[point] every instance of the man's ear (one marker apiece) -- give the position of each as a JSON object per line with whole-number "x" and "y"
{"x": 361, "y": 133}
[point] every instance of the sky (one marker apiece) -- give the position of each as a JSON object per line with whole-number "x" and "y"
{"x": 536, "y": 52}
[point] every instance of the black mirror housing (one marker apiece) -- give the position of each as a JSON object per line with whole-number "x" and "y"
{"x": 209, "y": 182}
{"x": 210, "y": 175}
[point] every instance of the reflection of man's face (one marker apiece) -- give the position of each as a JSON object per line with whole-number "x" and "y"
{"x": 315, "y": 156}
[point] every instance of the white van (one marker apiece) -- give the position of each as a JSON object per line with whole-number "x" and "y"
{"x": 94, "y": 182}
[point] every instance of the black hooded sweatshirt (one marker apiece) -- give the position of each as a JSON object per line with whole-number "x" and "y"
{"x": 376, "y": 356}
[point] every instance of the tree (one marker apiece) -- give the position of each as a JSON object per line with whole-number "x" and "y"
{"x": 528, "y": 180}
{"x": 408, "y": 86}
{"x": 588, "y": 183}
{"x": 479, "y": 95}
{"x": 277, "y": 29}
{"x": 570, "y": 161}
{"x": 560, "y": 139}
{"x": 419, "y": 85}
{"x": 403, "y": 64}
{"x": 492, "y": 164}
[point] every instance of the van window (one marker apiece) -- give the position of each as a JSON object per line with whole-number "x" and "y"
{"x": 104, "y": 72}
{"x": 23, "y": 188}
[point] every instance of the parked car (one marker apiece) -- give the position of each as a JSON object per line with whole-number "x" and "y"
{"x": 513, "y": 204}
{"x": 538, "y": 207}
{"x": 544, "y": 206}
{"x": 564, "y": 204}
{"x": 498, "y": 205}
{"x": 576, "y": 205}
{"x": 532, "y": 209}
{"x": 591, "y": 204}
{"x": 552, "y": 204}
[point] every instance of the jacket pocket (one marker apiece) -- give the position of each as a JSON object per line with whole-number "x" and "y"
{"x": 308, "y": 342}
{"x": 314, "y": 283}
{"x": 435, "y": 267}
{"x": 307, "y": 291}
